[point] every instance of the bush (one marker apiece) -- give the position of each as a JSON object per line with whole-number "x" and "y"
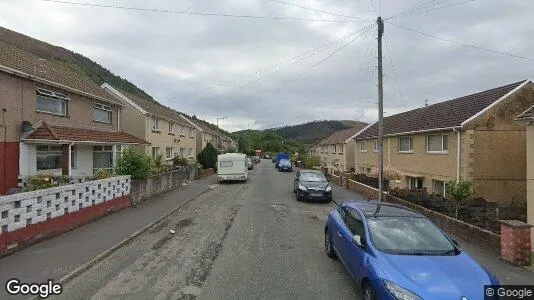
{"x": 102, "y": 174}
{"x": 134, "y": 163}
{"x": 312, "y": 162}
{"x": 43, "y": 181}
{"x": 389, "y": 173}
{"x": 180, "y": 161}
{"x": 208, "y": 157}
{"x": 158, "y": 165}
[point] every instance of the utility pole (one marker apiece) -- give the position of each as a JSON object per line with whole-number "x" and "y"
{"x": 248, "y": 132}
{"x": 380, "y": 23}
{"x": 218, "y": 135}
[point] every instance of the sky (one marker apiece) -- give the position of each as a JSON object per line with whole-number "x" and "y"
{"x": 303, "y": 64}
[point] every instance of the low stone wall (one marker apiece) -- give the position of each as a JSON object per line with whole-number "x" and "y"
{"x": 333, "y": 178}
{"x": 145, "y": 189}
{"x": 205, "y": 173}
{"x": 27, "y": 218}
{"x": 480, "y": 236}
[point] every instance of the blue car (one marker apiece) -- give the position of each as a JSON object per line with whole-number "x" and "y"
{"x": 285, "y": 165}
{"x": 393, "y": 252}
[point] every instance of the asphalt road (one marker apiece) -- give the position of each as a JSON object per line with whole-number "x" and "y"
{"x": 248, "y": 240}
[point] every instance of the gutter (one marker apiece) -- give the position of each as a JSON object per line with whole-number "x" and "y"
{"x": 52, "y": 83}
{"x": 413, "y": 132}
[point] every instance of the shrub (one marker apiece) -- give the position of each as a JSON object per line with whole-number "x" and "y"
{"x": 312, "y": 162}
{"x": 102, "y": 174}
{"x": 208, "y": 157}
{"x": 460, "y": 192}
{"x": 134, "y": 163}
{"x": 180, "y": 161}
{"x": 389, "y": 173}
{"x": 42, "y": 181}
{"x": 158, "y": 165}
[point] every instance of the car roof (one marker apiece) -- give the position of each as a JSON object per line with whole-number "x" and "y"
{"x": 310, "y": 171}
{"x": 369, "y": 208}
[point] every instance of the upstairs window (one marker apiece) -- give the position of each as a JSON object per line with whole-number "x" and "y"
{"x": 170, "y": 127}
{"x": 191, "y": 132}
{"x": 363, "y": 146}
{"x": 168, "y": 152}
{"x": 51, "y": 102}
{"x": 102, "y": 113}
{"x": 405, "y": 144}
{"x": 155, "y": 124}
{"x": 437, "y": 143}
{"x": 376, "y": 146}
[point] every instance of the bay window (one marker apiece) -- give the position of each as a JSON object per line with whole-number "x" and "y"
{"x": 48, "y": 157}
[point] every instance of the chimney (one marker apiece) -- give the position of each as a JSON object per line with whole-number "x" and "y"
{"x": 426, "y": 102}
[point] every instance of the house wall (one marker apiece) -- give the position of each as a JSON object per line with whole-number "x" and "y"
{"x": 84, "y": 161}
{"x": 163, "y": 139}
{"x": 199, "y": 141}
{"x": 348, "y": 155}
{"x": 367, "y": 159}
{"x": 530, "y": 178}
{"x": 133, "y": 121}
{"x": 498, "y": 168}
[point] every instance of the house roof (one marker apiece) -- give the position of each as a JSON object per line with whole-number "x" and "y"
{"x": 443, "y": 115}
{"x": 151, "y": 107}
{"x": 45, "y": 131}
{"x": 527, "y": 115}
{"x": 208, "y": 129}
{"x": 25, "y": 64}
{"x": 340, "y": 137}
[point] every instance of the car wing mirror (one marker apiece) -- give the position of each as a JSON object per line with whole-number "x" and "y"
{"x": 357, "y": 240}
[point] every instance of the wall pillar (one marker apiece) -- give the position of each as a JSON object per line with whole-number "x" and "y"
{"x": 65, "y": 158}
{"x": 515, "y": 242}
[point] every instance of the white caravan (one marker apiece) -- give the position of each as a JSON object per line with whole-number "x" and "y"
{"x": 232, "y": 166}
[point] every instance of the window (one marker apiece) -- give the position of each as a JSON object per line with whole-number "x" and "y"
{"x": 341, "y": 148}
{"x": 155, "y": 152}
{"x": 437, "y": 143}
{"x": 376, "y": 146}
{"x": 353, "y": 221}
{"x": 170, "y": 127}
{"x": 155, "y": 124}
{"x": 102, "y": 158}
{"x": 335, "y": 149}
{"x": 191, "y": 132}
{"x": 73, "y": 157}
{"x": 363, "y": 146}
{"x": 48, "y": 157}
{"x": 190, "y": 152}
{"x": 415, "y": 183}
{"x": 168, "y": 152}
{"x": 182, "y": 152}
{"x": 181, "y": 129}
{"x": 405, "y": 144}
{"x": 226, "y": 164}
{"x": 438, "y": 187}
{"x": 101, "y": 113}
{"x": 51, "y": 102}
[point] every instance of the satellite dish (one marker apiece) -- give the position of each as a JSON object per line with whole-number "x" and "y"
{"x": 26, "y": 126}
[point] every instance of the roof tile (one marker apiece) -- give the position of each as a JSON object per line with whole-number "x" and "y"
{"x": 62, "y": 133}
{"x": 339, "y": 137}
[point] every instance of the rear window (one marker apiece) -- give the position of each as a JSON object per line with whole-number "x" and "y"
{"x": 226, "y": 164}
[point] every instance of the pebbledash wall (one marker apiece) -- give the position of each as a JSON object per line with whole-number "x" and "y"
{"x": 27, "y": 218}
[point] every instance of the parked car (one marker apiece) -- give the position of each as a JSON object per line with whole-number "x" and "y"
{"x": 232, "y": 166}
{"x": 312, "y": 185}
{"x": 250, "y": 164}
{"x": 280, "y": 156}
{"x": 256, "y": 159}
{"x": 393, "y": 252}
{"x": 285, "y": 166}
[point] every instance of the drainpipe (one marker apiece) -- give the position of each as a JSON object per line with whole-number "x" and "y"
{"x": 457, "y": 153}
{"x": 118, "y": 119}
{"x": 70, "y": 158}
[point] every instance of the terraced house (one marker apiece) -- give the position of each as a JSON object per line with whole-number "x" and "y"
{"x": 54, "y": 120}
{"x": 337, "y": 150}
{"x": 528, "y": 118}
{"x": 169, "y": 133}
{"x": 475, "y": 138}
{"x": 206, "y": 134}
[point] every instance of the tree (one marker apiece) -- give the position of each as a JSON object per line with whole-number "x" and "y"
{"x": 312, "y": 162}
{"x": 134, "y": 163}
{"x": 459, "y": 192}
{"x": 208, "y": 157}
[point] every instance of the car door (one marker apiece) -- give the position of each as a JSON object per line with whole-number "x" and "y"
{"x": 353, "y": 254}
{"x": 296, "y": 182}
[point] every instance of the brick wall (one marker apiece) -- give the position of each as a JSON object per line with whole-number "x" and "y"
{"x": 145, "y": 189}
{"x": 27, "y": 218}
{"x": 206, "y": 173}
{"x": 477, "y": 235}
{"x": 9, "y": 171}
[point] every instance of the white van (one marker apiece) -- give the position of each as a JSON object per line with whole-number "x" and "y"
{"x": 232, "y": 166}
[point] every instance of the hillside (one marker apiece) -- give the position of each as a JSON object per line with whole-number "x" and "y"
{"x": 312, "y": 132}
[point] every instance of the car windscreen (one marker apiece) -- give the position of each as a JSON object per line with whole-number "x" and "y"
{"x": 285, "y": 162}
{"x": 313, "y": 177}
{"x": 407, "y": 236}
{"x": 226, "y": 164}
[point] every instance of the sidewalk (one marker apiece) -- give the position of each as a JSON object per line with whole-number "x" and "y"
{"x": 507, "y": 273}
{"x": 54, "y": 258}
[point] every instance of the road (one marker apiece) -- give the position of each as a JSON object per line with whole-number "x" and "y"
{"x": 248, "y": 240}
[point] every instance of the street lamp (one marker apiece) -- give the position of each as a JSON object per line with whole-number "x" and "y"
{"x": 218, "y": 137}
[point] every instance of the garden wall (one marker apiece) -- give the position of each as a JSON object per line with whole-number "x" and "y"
{"x": 155, "y": 185}
{"x": 27, "y": 218}
{"x": 206, "y": 173}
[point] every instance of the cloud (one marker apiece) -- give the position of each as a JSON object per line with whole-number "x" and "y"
{"x": 173, "y": 56}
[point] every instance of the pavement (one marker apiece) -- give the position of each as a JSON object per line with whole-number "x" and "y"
{"x": 248, "y": 240}
{"x": 56, "y": 257}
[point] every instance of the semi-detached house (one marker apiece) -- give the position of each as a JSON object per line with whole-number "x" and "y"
{"x": 54, "y": 119}
{"x": 169, "y": 133}
{"x": 337, "y": 150}
{"x": 475, "y": 138}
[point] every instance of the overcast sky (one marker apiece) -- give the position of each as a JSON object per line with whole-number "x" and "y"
{"x": 174, "y": 56}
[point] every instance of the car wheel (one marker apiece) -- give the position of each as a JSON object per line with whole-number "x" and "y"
{"x": 328, "y": 245}
{"x": 367, "y": 291}
{"x": 298, "y": 195}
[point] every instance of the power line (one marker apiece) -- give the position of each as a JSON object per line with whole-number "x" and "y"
{"x": 226, "y": 83}
{"x": 419, "y": 6}
{"x": 359, "y": 74}
{"x": 179, "y": 12}
{"x": 373, "y": 6}
{"x": 435, "y": 8}
{"x": 463, "y": 44}
{"x": 395, "y": 73}
{"x": 318, "y": 10}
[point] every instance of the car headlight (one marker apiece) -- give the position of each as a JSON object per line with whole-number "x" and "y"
{"x": 400, "y": 293}
{"x": 302, "y": 188}
{"x": 328, "y": 189}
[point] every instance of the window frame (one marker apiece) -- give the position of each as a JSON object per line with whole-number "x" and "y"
{"x": 443, "y": 144}
{"x": 167, "y": 156}
{"x": 415, "y": 180}
{"x": 73, "y": 157}
{"x": 375, "y": 146}
{"x": 103, "y": 149}
{"x": 49, "y": 151}
{"x": 190, "y": 152}
{"x": 362, "y": 147}
{"x": 50, "y": 95}
{"x": 191, "y": 132}
{"x": 171, "y": 129}
{"x": 103, "y": 107}
{"x": 155, "y": 124}
{"x": 155, "y": 153}
{"x": 434, "y": 183}
{"x": 410, "y": 138}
